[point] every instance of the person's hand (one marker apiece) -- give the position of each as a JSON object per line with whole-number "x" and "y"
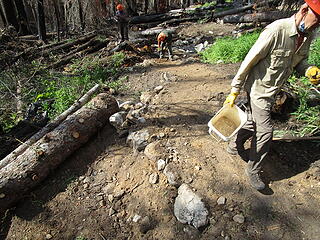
{"x": 231, "y": 98}
{"x": 313, "y": 73}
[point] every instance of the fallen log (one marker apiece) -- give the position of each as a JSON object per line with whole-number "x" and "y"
{"x": 50, "y": 126}
{"x": 68, "y": 45}
{"x": 68, "y": 58}
{"x": 240, "y": 9}
{"x": 33, "y": 166}
{"x": 255, "y": 17}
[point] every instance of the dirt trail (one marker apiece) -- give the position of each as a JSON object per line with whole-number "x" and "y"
{"x": 102, "y": 190}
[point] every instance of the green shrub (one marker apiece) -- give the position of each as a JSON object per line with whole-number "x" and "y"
{"x": 60, "y": 92}
{"x": 306, "y": 116}
{"x": 314, "y": 56}
{"x": 229, "y": 50}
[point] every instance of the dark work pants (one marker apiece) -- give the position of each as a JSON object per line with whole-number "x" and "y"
{"x": 260, "y": 128}
{"x": 123, "y": 29}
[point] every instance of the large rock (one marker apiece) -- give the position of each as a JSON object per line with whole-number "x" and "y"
{"x": 138, "y": 140}
{"x": 189, "y": 208}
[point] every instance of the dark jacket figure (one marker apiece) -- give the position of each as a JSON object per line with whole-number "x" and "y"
{"x": 122, "y": 19}
{"x": 165, "y": 42}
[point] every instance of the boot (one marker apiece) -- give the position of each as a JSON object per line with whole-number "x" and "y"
{"x": 255, "y": 180}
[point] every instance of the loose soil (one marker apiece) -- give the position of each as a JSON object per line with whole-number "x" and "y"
{"x": 101, "y": 189}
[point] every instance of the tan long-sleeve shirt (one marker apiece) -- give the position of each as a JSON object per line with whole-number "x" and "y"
{"x": 271, "y": 61}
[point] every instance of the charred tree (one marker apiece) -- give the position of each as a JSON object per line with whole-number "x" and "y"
{"x": 82, "y": 22}
{"x": 22, "y": 18}
{"x": 57, "y": 15}
{"x": 10, "y": 13}
{"x": 41, "y": 21}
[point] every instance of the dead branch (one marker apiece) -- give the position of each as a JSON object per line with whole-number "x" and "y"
{"x": 68, "y": 58}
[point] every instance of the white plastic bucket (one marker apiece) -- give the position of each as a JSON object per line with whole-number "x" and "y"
{"x": 227, "y": 122}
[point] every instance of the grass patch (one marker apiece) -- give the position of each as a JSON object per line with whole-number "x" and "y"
{"x": 306, "y": 116}
{"x": 54, "y": 90}
{"x": 229, "y": 50}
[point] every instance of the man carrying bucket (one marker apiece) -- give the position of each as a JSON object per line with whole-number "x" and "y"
{"x": 281, "y": 47}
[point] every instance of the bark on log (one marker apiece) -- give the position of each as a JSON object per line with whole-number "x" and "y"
{"x": 68, "y": 45}
{"x": 241, "y": 9}
{"x": 68, "y": 58}
{"x": 78, "y": 104}
{"x": 255, "y": 17}
{"x": 152, "y": 18}
{"x": 31, "y": 167}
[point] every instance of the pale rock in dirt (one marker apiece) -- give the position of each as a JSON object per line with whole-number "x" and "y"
{"x": 153, "y": 178}
{"x": 221, "y": 200}
{"x": 154, "y": 151}
{"x": 136, "y": 218}
{"x": 111, "y": 211}
{"x": 161, "y": 164}
{"x": 239, "y": 218}
{"x": 118, "y": 194}
{"x": 126, "y": 106}
{"x": 172, "y": 175}
{"x": 189, "y": 208}
{"x": 158, "y": 89}
{"x": 49, "y": 236}
{"x": 117, "y": 119}
{"x": 138, "y": 140}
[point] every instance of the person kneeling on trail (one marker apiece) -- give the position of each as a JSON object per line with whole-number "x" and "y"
{"x": 165, "y": 42}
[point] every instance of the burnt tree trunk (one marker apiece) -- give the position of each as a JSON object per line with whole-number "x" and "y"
{"x": 22, "y": 17}
{"x": 41, "y": 158}
{"x": 3, "y": 18}
{"x": 41, "y": 21}
{"x": 81, "y": 16}
{"x": 57, "y": 15}
{"x": 10, "y": 13}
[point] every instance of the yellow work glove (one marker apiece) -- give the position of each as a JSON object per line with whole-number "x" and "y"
{"x": 313, "y": 73}
{"x": 231, "y": 98}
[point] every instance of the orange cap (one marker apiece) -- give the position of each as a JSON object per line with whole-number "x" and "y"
{"x": 161, "y": 37}
{"x": 314, "y": 5}
{"x": 120, "y": 7}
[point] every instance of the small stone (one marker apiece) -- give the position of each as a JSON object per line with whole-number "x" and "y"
{"x": 221, "y": 200}
{"x": 153, "y": 178}
{"x": 161, "y": 135}
{"x": 239, "y": 218}
{"x": 119, "y": 194}
{"x": 136, "y": 218}
{"x": 48, "y": 236}
{"x": 161, "y": 164}
{"x": 111, "y": 211}
{"x": 110, "y": 198}
{"x": 2, "y": 195}
{"x": 198, "y": 168}
{"x": 158, "y": 89}
{"x": 85, "y": 186}
{"x": 87, "y": 180}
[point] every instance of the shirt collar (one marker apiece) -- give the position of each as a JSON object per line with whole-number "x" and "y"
{"x": 293, "y": 30}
